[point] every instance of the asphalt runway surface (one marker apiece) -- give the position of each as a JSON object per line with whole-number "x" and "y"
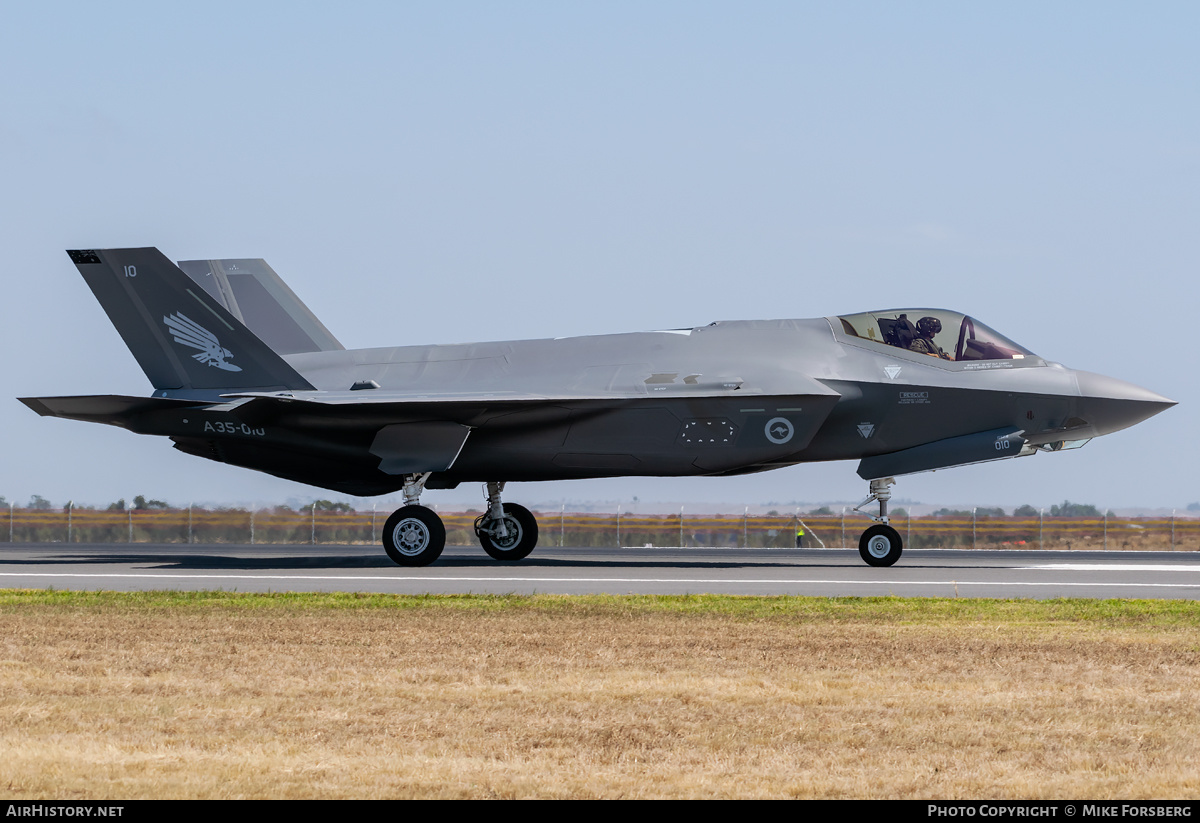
{"x": 553, "y": 570}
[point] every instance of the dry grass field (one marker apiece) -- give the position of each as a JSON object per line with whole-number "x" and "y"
{"x": 313, "y": 696}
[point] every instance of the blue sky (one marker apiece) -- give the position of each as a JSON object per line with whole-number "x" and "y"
{"x": 442, "y": 172}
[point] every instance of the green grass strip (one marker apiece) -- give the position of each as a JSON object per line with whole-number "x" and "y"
{"x": 894, "y": 610}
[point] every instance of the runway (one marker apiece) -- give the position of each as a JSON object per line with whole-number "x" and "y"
{"x": 553, "y": 570}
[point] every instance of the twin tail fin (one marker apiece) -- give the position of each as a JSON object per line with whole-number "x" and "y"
{"x": 182, "y": 337}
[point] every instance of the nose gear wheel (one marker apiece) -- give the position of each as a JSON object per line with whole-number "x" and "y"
{"x": 880, "y": 545}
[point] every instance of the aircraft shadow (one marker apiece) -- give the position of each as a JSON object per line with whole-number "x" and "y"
{"x": 208, "y": 561}
{"x": 200, "y": 562}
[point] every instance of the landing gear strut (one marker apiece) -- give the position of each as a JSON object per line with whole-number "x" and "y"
{"x": 414, "y": 535}
{"x": 506, "y": 531}
{"x": 880, "y": 545}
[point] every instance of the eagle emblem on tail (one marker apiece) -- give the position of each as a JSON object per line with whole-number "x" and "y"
{"x": 190, "y": 333}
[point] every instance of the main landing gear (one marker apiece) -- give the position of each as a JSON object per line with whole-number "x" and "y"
{"x": 506, "y": 531}
{"x": 880, "y": 545}
{"x": 414, "y": 535}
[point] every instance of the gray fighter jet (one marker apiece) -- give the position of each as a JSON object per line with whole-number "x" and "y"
{"x": 245, "y": 374}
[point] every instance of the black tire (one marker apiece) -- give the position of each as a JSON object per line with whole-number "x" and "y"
{"x": 880, "y": 546}
{"x": 522, "y": 535}
{"x": 414, "y": 536}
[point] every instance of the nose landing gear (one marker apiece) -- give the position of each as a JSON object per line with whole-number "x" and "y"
{"x": 880, "y": 545}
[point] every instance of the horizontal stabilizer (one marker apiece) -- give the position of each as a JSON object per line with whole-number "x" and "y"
{"x": 113, "y": 409}
{"x": 997, "y": 444}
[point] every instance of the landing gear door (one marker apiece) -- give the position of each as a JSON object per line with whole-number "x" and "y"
{"x": 409, "y": 448}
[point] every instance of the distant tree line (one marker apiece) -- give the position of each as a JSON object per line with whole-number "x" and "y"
{"x": 140, "y": 503}
{"x": 1065, "y": 509}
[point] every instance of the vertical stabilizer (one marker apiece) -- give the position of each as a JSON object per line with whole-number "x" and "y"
{"x": 182, "y": 337}
{"x": 252, "y": 292}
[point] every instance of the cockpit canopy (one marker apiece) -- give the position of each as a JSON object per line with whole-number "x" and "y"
{"x": 939, "y": 333}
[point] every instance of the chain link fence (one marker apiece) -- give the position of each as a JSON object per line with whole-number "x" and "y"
{"x": 561, "y": 528}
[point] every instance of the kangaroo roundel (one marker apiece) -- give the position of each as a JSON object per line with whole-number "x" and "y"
{"x": 779, "y": 430}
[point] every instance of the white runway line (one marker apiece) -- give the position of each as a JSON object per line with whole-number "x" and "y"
{"x": 548, "y": 580}
{"x": 1115, "y": 567}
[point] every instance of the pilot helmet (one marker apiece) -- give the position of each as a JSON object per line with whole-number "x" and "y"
{"x": 929, "y": 326}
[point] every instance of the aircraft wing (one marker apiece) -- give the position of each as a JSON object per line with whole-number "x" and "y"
{"x": 797, "y": 385}
{"x": 442, "y": 398}
{"x": 130, "y": 412}
{"x": 293, "y": 431}
{"x": 369, "y": 406}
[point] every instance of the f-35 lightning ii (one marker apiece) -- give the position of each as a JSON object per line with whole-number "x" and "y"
{"x": 245, "y": 374}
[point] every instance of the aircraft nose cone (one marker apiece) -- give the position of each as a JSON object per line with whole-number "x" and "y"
{"x": 1111, "y": 405}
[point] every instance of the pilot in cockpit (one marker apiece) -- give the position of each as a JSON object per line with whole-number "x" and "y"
{"x": 927, "y": 327}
